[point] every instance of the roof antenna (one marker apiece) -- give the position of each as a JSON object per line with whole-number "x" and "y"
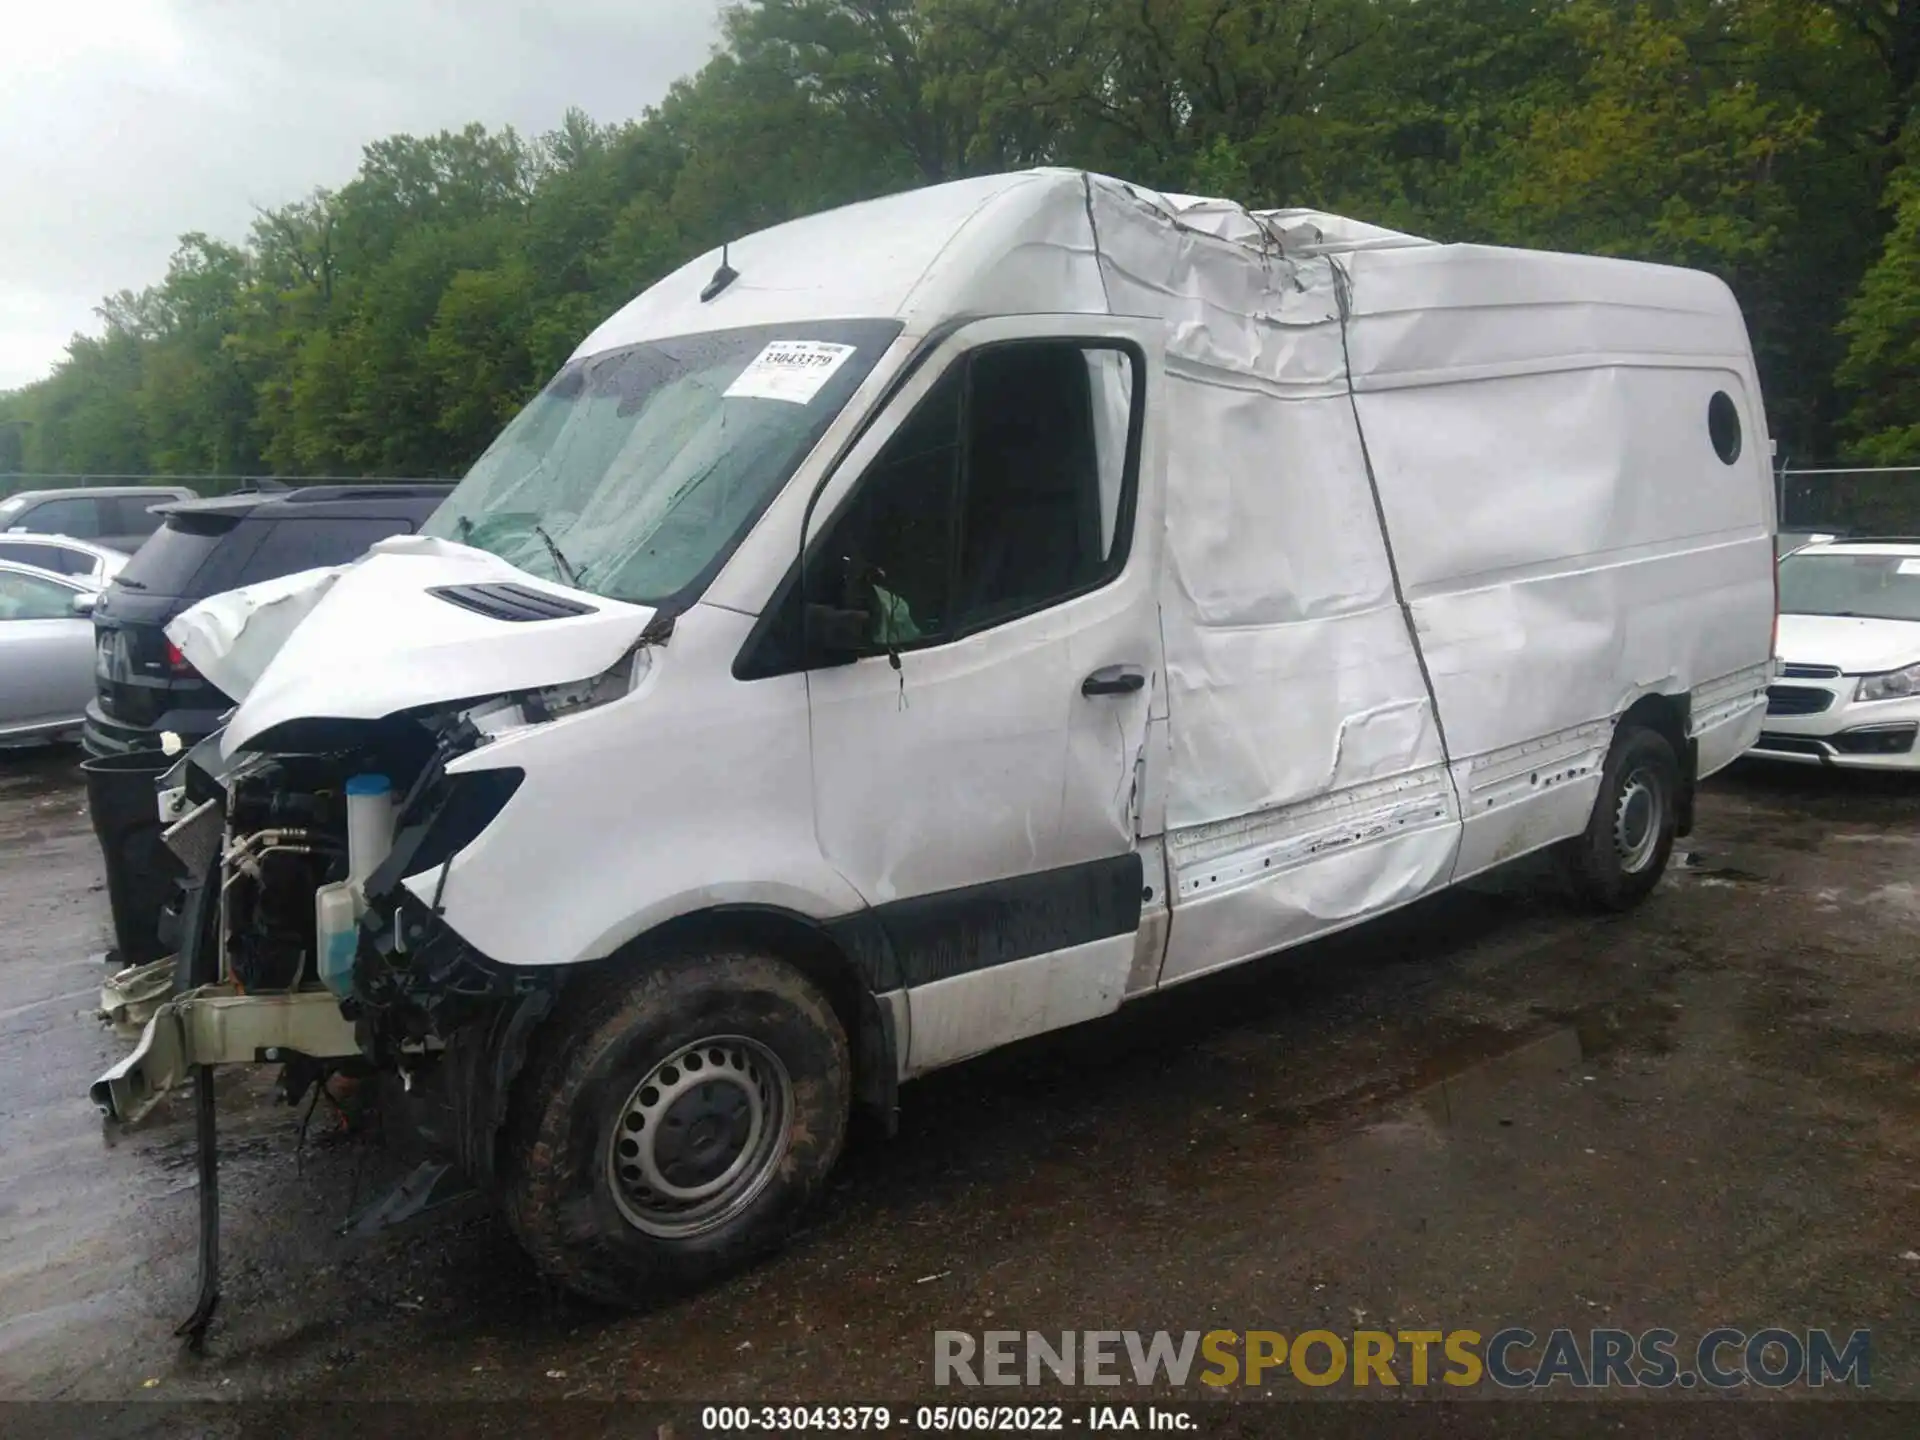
{"x": 722, "y": 278}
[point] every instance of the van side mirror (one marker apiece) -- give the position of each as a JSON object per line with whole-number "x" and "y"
{"x": 84, "y": 601}
{"x": 837, "y": 636}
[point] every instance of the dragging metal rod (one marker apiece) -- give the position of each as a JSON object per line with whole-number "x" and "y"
{"x": 206, "y": 1136}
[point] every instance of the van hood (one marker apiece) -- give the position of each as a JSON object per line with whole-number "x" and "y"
{"x": 393, "y": 631}
{"x": 1857, "y": 646}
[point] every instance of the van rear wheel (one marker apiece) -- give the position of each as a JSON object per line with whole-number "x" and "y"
{"x": 1624, "y": 850}
{"x": 673, "y": 1123}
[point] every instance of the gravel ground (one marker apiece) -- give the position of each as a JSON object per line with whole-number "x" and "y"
{"x": 1486, "y": 1110}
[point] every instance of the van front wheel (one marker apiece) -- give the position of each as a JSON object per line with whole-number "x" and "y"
{"x": 673, "y": 1123}
{"x": 1624, "y": 851}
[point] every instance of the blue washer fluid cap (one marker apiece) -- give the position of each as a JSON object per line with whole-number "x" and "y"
{"x": 369, "y": 785}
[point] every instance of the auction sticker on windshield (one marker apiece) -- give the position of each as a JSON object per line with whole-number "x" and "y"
{"x": 790, "y": 370}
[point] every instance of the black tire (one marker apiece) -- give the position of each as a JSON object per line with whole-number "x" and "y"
{"x": 1629, "y": 837}
{"x": 577, "y": 1202}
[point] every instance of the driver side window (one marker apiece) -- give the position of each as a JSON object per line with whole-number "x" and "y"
{"x": 1009, "y": 489}
{"x": 890, "y": 550}
{"x": 77, "y": 517}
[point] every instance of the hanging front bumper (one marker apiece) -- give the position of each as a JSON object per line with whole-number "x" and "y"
{"x": 217, "y": 1025}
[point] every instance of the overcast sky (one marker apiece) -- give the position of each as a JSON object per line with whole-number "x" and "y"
{"x": 124, "y": 123}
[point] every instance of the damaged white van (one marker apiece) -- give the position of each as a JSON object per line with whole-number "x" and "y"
{"x": 943, "y": 620}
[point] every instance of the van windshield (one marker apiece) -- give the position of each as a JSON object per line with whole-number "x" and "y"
{"x": 1874, "y": 587}
{"x": 636, "y": 470}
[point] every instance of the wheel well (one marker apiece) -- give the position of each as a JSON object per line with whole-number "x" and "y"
{"x": 807, "y": 947}
{"x": 1669, "y": 716}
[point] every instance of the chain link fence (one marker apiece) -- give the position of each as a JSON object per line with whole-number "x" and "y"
{"x": 1851, "y": 500}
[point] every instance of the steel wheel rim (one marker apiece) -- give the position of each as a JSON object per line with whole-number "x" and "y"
{"x": 1637, "y": 819}
{"x": 700, "y": 1136}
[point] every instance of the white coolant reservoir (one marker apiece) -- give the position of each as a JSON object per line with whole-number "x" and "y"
{"x": 369, "y": 824}
{"x": 337, "y": 907}
{"x": 336, "y": 925}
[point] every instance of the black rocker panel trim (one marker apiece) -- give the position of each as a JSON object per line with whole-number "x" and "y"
{"x": 956, "y": 932}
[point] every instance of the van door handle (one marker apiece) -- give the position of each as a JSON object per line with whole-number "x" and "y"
{"x": 1114, "y": 680}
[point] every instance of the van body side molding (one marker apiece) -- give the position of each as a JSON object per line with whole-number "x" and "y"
{"x": 917, "y": 941}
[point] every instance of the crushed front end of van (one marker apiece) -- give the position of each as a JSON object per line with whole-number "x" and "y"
{"x": 320, "y": 825}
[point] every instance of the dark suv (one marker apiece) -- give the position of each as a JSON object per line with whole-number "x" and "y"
{"x": 143, "y": 685}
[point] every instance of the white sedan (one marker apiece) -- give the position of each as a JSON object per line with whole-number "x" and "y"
{"x": 82, "y": 559}
{"x": 1848, "y": 688}
{"x": 46, "y": 653}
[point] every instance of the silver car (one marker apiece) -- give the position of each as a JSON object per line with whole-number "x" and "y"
{"x": 82, "y": 559}
{"x": 46, "y": 652}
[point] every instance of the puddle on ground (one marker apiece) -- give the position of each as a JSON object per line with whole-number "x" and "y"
{"x": 1469, "y": 1089}
{"x": 1472, "y": 1098}
{"x": 1479, "y": 1095}
{"x": 1706, "y": 870}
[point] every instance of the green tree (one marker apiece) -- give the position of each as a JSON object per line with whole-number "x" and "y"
{"x": 389, "y": 325}
{"x": 1881, "y": 370}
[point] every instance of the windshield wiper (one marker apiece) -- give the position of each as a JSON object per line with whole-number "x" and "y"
{"x": 127, "y": 584}
{"x": 560, "y": 561}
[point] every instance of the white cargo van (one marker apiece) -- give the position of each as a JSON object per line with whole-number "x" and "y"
{"x": 944, "y": 620}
